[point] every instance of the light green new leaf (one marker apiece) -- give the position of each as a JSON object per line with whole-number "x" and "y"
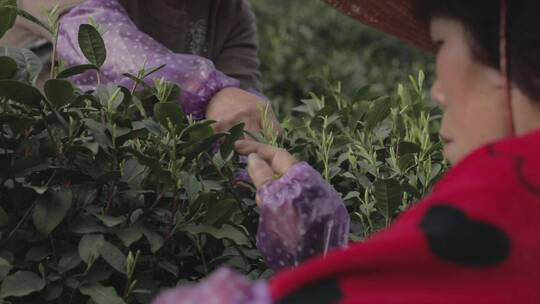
{"x": 92, "y": 45}
{"x": 20, "y": 284}
{"x": 51, "y": 210}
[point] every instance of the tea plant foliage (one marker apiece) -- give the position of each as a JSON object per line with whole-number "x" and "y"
{"x": 107, "y": 196}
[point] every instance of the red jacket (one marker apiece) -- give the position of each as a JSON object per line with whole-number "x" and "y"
{"x": 475, "y": 239}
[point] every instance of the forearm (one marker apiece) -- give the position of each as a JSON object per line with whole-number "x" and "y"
{"x": 302, "y": 216}
{"x": 129, "y": 50}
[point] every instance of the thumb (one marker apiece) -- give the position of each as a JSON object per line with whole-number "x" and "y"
{"x": 260, "y": 172}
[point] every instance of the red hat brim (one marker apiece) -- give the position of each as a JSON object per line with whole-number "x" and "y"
{"x": 395, "y": 17}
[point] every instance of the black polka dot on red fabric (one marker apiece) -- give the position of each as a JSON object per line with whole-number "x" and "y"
{"x": 322, "y": 292}
{"x": 454, "y": 237}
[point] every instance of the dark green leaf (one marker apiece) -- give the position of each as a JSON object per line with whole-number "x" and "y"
{"x": 191, "y": 184}
{"x": 90, "y": 247}
{"x": 20, "y": 284}
{"x": 111, "y": 221}
{"x": 225, "y": 232}
{"x": 101, "y": 294}
{"x": 87, "y": 226}
{"x": 37, "y": 254}
{"x": 379, "y": 111}
{"x": 388, "y": 195}
{"x": 199, "y": 130}
{"x": 219, "y": 212}
{"x": 169, "y": 113}
{"x": 155, "y": 240}
{"x": 98, "y": 130}
{"x": 408, "y": 148}
{"x": 4, "y": 218}
{"x": 69, "y": 261}
{"x": 59, "y": 92}
{"x": 8, "y": 67}
{"x": 8, "y": 16}
{"x": 235, "y": 133}
{"x": 92, "y": 45}
{"x": 5, "y": 268}
{"x": 113, "y": 256}
{"x": 53, "y": 291}
{"x": 21, "y": 93}
{"x": 29, "y": 66}
{"x": 129, "y": 235}
{"x": 51, "y": 210}
{"x": 76, "y": 70}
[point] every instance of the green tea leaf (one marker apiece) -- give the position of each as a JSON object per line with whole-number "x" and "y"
{"x": 49, "y": 212}
{"x": 90, "y": 247}
{"x": 219, "y": 212}
{"x": 4, "y": 218}
{"x": 113, "y": 256}
{"x": 169, "y": 113}
{"x": 5, "y": 268}
{"x": 225, "y": 232}
{"x": 235, "y": 133}
{"x": 77, "y": 70}
{"x": 8, "y": 67}
{"x": 8, "y": 16}
{"x": 59, "y": 92}
{"x": 29, "y": 65}
{"x": 378, "y": 112}
{"x": 388, "y": 194}
{"x": 111, "y": 221}
{"x": 155, "y": 240}
{"x": 69, "y": 261}
{"x": 20, "y": 284}
{"x": 101, "y": 294}
{"x": 129, "y": 235}
{"x": 92, "y": 45}
{"x": 21, "y": 93}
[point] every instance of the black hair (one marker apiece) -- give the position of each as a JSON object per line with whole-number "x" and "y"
{"x": 481, "y": 19}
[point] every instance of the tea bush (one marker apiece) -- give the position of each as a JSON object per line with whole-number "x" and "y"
{"x": 304, "y": 40}
{"x": 109, "y": 195}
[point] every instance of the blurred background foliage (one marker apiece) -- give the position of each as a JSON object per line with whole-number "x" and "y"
{"x": 305, "y": 41}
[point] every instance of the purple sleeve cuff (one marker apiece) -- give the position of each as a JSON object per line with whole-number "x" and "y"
{"x": 302, "y": 216}
{"x": 224, "y": 286}
{"x": 128, "y": 49}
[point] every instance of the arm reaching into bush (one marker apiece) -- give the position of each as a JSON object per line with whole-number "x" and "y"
{"x": 130, "y": 50}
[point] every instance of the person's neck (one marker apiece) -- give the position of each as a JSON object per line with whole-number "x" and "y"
{"x": 526, "y": 113}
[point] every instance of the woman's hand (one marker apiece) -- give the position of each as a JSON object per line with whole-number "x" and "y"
{"x": 232, "y": 106}
{"x": 264, "y": 161}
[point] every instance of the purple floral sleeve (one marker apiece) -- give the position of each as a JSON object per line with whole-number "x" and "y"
{"x": 223, "y": 287}
{"x": 130, "y": 49}
{"x": 302, "y": 216}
